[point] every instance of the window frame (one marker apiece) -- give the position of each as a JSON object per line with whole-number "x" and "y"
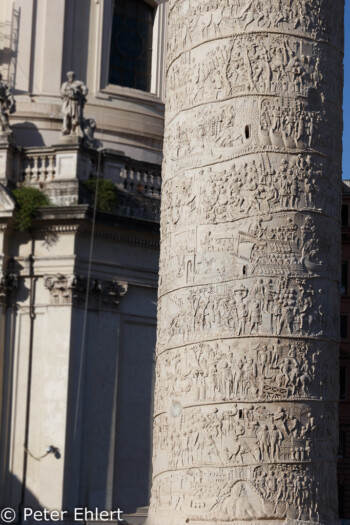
{"x": 102, "y": 86}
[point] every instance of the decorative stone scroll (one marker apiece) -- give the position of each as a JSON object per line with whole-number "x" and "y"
{"x": 72, "y": 289}
{"x": 245, "y": 426}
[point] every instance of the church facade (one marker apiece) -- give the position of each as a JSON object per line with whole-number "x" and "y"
{"x": 78, "y": 290}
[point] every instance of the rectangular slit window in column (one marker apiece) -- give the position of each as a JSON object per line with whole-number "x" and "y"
{"x": 341, "y": 497}
{"x": 344, "y": 326}
{"x": 342, "y": 444}
{"x": 342, "y": 378}
{"x": 345, "y": 215}
{"x": 344, "y": 278}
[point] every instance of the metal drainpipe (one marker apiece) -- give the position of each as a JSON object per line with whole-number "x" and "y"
{"x": 29, "y": 380}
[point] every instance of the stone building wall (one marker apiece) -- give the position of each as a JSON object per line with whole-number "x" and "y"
{"x": 81, "y": 399}
{"x": 42, "y": 40}
{"x": 88, "y": 396}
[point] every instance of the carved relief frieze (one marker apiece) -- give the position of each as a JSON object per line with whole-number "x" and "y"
{"x": 216, "y": 133}
{"x": 193, "y": 23}
{"x": 287, "y": 491}
{"x": 249, "y": 307}
{"x": 263, "y": 185}
{"x": 205, "y": 134}
{"x": 253, "y": 370}
{"x": 251, "y": 64}
{"x": 234, "y": 434}
{"x": 275, "y": 245}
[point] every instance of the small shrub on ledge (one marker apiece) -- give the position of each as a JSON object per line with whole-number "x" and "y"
{"x": 28, "y": 201}
{"x": 107, "y": 194}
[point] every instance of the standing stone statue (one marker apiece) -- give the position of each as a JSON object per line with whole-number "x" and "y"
{"x": 7, "y": 106}
{"x": 245, "y": 411}
{"x": 74, "y": 94}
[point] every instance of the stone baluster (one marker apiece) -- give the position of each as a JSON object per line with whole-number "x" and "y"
{"x": 51, "y": 167}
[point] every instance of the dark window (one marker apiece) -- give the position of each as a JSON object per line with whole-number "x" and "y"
{"x": 342, "y": 392}
{"x": 344, "y": 278}
{"x": 345, "y": 215}
{"x": 130, "y": 59}
{"x": 344, "y": 326}
{"x": 342, "y": 444}
{"x": 341, "y": 496}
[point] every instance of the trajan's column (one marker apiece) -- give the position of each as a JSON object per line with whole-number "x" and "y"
{"x": 245, "y": 423}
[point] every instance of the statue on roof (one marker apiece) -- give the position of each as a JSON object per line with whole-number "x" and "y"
{"x": 7, "y": 106}
{"x": 74, "y": 94}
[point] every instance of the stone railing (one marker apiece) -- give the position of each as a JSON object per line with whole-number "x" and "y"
{"x": 38, "y": 166}
{"x": 142, "y": 180}
{"x": 139, "y": 184}
{"x": 59, "y": 170}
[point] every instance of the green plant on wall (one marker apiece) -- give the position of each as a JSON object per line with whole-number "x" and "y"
{"x": 107, "y": 194}
{"x": 28, "y": 201}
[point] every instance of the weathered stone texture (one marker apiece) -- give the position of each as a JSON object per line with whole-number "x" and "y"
{"x": 245, "y": 423}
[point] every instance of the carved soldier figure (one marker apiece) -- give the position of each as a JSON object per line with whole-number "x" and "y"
{"x": 74, "y": 94}
{"x": 7, "y": 106}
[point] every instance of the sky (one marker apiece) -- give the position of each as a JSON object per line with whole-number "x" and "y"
{"x": 346, "y": 103}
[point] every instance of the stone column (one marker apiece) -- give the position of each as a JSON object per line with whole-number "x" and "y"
{"x": 245, "y": 422}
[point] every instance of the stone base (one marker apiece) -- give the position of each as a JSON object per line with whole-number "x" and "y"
{"x": 70, "y": 139}
{"x": 174, "y": 520}
{"x": 6, "y": 139}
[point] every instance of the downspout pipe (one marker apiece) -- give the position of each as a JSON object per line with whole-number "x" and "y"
{"x": 29, "y": 380}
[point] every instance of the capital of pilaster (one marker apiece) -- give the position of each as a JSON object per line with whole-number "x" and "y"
{"x": 73, "y": 290}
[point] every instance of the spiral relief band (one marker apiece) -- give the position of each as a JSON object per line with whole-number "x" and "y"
{"x": 245, "y": 412}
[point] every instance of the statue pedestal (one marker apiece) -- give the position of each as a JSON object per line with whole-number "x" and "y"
{"x": 70, "y": 139}
{"x": 6, "y": 138}
{"x": 71, "y": 161}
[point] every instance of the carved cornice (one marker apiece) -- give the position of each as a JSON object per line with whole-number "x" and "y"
{"x": 73, "y": 290}
{"x": 73, "y": 228}
{"x": 122, "y": 238}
